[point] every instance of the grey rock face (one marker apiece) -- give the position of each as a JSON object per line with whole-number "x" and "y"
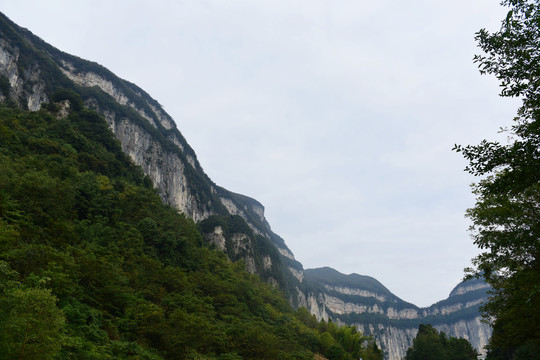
{"x": 26, "y": 86}
{"x": 165, "y": 168}
{"x": 365, "y": 303}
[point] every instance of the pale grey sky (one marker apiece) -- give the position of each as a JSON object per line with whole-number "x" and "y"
{"x": 339, "y": 116}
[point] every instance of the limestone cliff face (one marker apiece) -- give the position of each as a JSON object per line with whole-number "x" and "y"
{"x": 32, "y": 71}
{"x": 365, "y": 303}
{"x": 241, "y": 246}
{"x": 474, "y": 330}
{"x": 26, "y": 85}
{"x": 166, "y": 168}
{"x": 238, "y": 241}
{"x": 395, "y": 340}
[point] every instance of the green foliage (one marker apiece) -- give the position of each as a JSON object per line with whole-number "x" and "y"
{"x": 430, "y": 344}
{"x": 74, "y": 99}
{"x": 94, "y": 266}
{"x": 345, "y": 343}
{"x": 30, "y": 321}
{"x": 505, "y": 218}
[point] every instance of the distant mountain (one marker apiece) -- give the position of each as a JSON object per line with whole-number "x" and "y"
{"x": 31, "y": 71}
{"x": 364, "y": 302}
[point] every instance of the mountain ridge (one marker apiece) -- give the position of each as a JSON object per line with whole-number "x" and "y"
{"x": 364, "y": 302}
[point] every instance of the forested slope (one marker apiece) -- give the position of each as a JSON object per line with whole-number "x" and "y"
{"x": 93, "y": 265}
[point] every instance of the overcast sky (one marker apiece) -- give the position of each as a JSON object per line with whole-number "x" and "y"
{"x": 338, "y": 116}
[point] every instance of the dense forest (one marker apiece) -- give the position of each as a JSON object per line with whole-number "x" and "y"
{"x": 93, "y": 265}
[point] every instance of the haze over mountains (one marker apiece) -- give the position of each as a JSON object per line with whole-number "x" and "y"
{"x": 229, "y": 221}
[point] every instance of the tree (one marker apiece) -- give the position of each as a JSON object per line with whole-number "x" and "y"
{"x": 31, "y": 326}
{"x": 426, "y": 345}
{"x": 432, "y": 344}
{"x": 506, "y": 216}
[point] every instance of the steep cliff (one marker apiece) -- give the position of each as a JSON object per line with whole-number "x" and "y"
{"x": 31, "y": 72}
{"x": 374, "y": 310}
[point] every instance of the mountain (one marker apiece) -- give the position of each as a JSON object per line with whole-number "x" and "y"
{"x": 365, "y": 303}
{"x": 33, "y": 72}
{"x": 94, "y": 265}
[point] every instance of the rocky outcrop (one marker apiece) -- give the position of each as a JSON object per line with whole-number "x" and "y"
{"x": 164, "y": 167}
{"x": 232, "y": 235}
{"x": 393, "y": 340}
{"x": 217, "y": 238}
{"x": 26, "y": 87}
{"x": 475, "y": 330}
{"x": 91, "y": 79}
{"x": 242, "y": 246}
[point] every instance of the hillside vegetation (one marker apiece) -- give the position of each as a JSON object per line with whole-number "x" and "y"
{"x": 93, "y": 265}
{"x": 430, "y": 344}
